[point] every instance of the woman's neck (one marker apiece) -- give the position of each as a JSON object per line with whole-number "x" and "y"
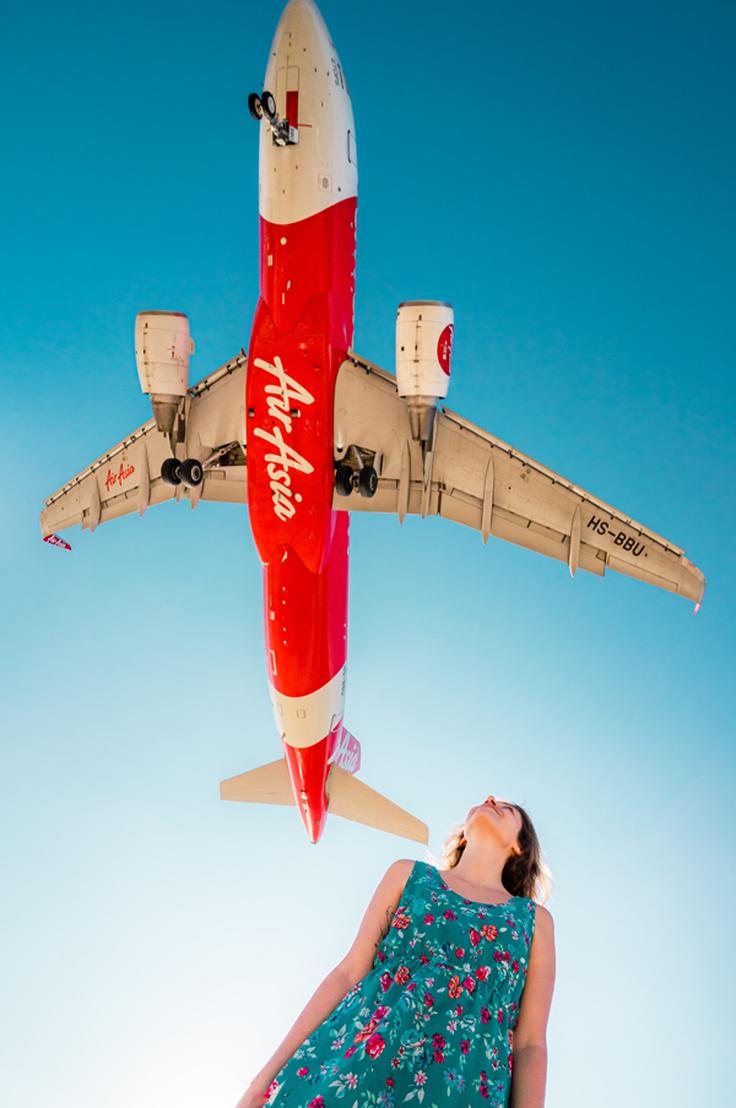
{"x": 481, "y": 865}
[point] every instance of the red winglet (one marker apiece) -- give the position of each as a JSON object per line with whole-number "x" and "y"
{"x": 55, "y": 540}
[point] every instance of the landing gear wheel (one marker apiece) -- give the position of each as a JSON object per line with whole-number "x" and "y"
{"x": 255, "y": 107}
{"x": 171, "y": 471}
{"x": 268, "y": 105}
{"x": 368, "y": 481}
{"x": 344, "y": 480}
{"x": 191, "y": 472}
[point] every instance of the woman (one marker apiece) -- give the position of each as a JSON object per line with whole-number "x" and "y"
{"x": 427, "y": 1003}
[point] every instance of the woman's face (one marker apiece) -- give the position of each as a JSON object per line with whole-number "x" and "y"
{"x": 496, "y": 816}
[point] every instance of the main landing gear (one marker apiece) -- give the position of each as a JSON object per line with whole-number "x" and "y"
{"x": 364, "y": 479}
{"x": 189, "y": 472}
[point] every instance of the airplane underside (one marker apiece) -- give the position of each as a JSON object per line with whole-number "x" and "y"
{"x": 305, "y": 431}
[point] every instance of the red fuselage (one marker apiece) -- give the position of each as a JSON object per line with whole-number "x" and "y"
{"x": 302, "y": 330}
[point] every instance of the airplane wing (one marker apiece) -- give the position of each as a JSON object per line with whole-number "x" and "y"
{"x": 127, "y": 478}
{"x": 475, "y": 479}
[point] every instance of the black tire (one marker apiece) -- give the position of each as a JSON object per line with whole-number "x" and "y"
{"x": 268, "y": 105}
{"x": 171, "y": 471}
{"x": 344, "y": 480}
{"x": 191, "y": 472}
{"x": 368, "y": 481}
{"x": 255, "y": 107}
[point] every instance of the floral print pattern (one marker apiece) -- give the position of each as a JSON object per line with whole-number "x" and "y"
{"x": 432, "y": 1023}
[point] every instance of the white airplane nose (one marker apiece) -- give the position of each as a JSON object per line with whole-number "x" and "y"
{"x": 303, "y": 22}
{"x": 311, "y": 163}
{"x": 302, "y": 5}
{"x": 297, "y": 5}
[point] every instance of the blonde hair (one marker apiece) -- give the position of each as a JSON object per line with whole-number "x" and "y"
{"x": 526, "y": 874}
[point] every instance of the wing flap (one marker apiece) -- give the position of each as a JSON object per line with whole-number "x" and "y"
{"x": 127, "y": 478}
{"x": 484, "y": 483}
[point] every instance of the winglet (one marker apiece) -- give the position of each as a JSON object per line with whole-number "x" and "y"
{"x": 55, "y": 540}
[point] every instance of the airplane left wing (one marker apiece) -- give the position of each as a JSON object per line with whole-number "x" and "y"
{"x": 127, "y": 478}
{"x": 469, "y": 476}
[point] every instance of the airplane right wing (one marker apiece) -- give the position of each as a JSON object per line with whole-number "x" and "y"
{"x": 127, "y": 478}
{"x": 475, "y": 479}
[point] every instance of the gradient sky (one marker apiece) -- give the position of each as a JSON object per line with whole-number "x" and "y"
{"x": 564, "y": 174}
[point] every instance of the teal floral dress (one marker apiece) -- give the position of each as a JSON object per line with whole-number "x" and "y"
{"x": 433, "y": 1021}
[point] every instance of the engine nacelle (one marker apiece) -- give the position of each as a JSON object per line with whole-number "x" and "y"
{"x": 423, "y": 352}
{"x": 163, "y": 347}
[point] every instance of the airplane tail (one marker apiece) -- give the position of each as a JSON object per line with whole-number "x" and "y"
{"x": 353, "y": 799}
{"x": 269, "y": 784}
{"x": 347, "y": 797}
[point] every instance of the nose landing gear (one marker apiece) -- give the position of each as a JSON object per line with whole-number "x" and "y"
{"x": 264, "y": 107}
{"x": 268, "y": 103}
{"x": 255, "y": 106}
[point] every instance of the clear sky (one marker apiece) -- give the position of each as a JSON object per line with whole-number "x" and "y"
{"x": 564, "y": 175}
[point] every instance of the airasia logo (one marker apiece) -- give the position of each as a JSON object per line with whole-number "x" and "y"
{"x": 347, "y": 752}
{"x": 55, "y": 540}
{"x": 283, "y": 460}
{"x": 120, "y": 475}
{"x": 444, "y": 349}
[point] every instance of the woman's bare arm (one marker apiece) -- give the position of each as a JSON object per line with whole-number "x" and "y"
{"x": 354, "y": 966}
{"x": 530, "y": 1037}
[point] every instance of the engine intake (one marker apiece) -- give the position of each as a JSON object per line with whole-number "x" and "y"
{"x": 163, "y": 347}
{"x": 423, "y": 352}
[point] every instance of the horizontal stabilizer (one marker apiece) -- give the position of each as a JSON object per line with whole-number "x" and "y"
{"x": 352, "y": 799}
{"x": 347, "y": 797}
{"x": 269, "y": 784}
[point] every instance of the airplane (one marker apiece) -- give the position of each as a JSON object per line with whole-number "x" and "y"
{"x": 304, "y": 430}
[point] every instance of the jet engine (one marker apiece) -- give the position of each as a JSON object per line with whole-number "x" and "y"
{"x": 423, "y": 351}
{"x": 163, "y": 347}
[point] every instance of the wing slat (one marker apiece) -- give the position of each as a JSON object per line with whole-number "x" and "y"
{"x": 124, "y": 479}
{"x": 486, "y": 484}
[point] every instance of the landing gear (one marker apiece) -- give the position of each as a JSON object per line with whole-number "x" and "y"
{"x": 191, "y": 472}
{"x": 364, "y": 478}
{"x": 171, "y": 471}
{"x": 255, "y": 106}
{"x": 344, "y": 480}
{"x": 367, "y": 481}
{"x": 268, "y": 105}
{"x": 264, "y": 107}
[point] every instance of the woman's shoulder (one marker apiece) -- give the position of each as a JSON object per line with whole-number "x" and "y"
{"x": 544, "y": 924}
{"x": 542, "y": 916}
{"x": 403, "y": 865}
{"x": 398, "y": 873}
{"x": 402, "y": 868}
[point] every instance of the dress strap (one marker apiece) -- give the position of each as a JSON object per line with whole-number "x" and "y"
{"x": 416, "y": 873}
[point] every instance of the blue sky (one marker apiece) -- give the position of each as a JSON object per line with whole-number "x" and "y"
{"x": 565, "y": 176}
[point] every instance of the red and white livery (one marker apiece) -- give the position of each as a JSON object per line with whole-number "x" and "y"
{"x": 304, "y": 431}
{"x": 302, "y": 332}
